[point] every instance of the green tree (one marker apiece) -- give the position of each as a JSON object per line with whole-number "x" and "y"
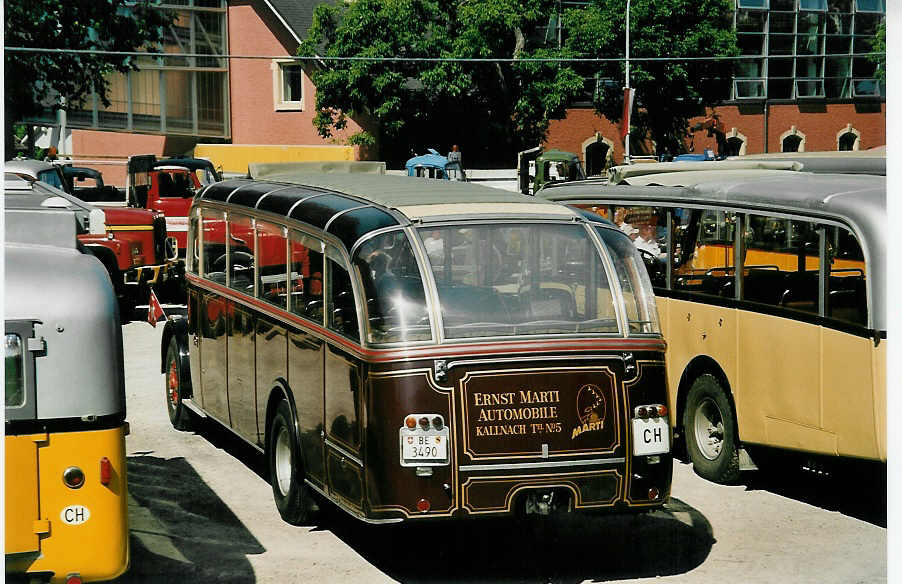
{"x": 495, "y": 108}
{"x": 34, "y": 81}
{"x": 878, "y": 47}
{"x": 669, "y": 92}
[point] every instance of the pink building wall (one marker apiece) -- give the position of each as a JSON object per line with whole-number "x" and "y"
{"x": 254, "y": 30}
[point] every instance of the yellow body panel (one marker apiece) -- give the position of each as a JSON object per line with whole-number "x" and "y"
{"x": 21, "y": 493}
{"x": 779, "y": 377}
{"x": 235, "y": 157}
{"x": 692, "y": 329}
{"x": 854, "y": 392}
{"x": 97, "y": 546}
{"x": 796, "y": 385}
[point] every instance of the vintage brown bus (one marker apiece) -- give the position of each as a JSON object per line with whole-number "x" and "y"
{"x": 412, "y": 350}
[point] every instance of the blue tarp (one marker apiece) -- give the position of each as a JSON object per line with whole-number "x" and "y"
{"x": 432, "y": 160}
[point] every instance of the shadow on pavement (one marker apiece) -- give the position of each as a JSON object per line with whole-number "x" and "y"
{"x": 853, "y": 488}
{"x": 180, "y": 530}
{"x": 565, "y": 549}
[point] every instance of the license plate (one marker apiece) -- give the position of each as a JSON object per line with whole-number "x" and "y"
{"x": 417, "y": 448}
{"x": 651, "y": 436}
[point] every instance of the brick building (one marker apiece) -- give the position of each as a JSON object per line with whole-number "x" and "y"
{"x": 800, "y": 88}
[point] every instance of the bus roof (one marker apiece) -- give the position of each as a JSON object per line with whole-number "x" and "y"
{"x": 846, "y": 162}
{"x": 351, "y": 205}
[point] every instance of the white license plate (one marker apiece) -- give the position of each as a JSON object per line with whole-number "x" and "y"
{"x": 651, "y": 436}
{"x": 424, "y": 447}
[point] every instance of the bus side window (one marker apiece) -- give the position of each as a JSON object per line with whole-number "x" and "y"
{"x": 847, "y": 296}
{"x": 213, "y": 254}
{"x": 272, "y": 277}
{"x": 703, "y": 255}
{"x": 781, "y": 263}
{"x": 305, "y": 270}
{"x": 342, "y": 315}
{"x": 241, "y": 253}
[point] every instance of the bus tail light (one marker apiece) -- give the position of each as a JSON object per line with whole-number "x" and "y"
{"x": 106, "y": 471}
{"x": 74, "y": 579}
{"x": 73, "y": 477}
{"x": 423, "y": 505}
{"x": 650, "y": 411}
{"x": 653, "y": 494}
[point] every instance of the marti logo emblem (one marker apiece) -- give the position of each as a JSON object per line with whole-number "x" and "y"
{"x": 590, "y": 409}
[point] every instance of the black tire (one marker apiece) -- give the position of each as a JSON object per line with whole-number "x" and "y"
{"x": 709, "y": 426}
{"x": 286, "y": 471}
{"x": 173, "y": 391}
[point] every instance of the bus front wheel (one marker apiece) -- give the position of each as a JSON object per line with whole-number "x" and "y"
{"x": 710, "y": 429}
{"x": 179, "y": 415}
{"x": 285, "y": 472}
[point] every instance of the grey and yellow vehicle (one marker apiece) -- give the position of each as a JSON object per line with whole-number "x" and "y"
{"x": 771, "y": 285}
{"x": 65, "y": 478}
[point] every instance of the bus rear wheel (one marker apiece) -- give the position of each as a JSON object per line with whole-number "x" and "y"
{"x": 179, "y": 415}
{"x": 710, "y": 429}
{"x": 285, "y": 470}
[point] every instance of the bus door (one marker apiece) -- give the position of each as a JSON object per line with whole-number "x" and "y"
{"x": 344, "y": 466}
{"x": 779, "y": 365}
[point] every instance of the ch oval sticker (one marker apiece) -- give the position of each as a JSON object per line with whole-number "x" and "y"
{"x": 75, "y": 514}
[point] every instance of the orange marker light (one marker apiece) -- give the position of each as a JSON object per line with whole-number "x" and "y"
{"x": 106, "y": 471}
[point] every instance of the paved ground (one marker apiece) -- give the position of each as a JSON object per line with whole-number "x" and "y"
{"x": 202, "y": 511}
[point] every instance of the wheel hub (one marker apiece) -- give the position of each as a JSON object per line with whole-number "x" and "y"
{"x": 709, "y": 432}
{"x": 283, "y": 460}
{"x": 173, "y": 384}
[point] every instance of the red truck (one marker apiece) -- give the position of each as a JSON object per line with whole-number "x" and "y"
{"x": 168, "y": 185}
{"x": 131, "y": 243}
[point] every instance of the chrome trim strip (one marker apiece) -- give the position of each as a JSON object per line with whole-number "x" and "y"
{"x": 344, "y": 452}
{"x": 189, "y": 403}
{"x": 349, "y": 511}
{"x": 340, "y": 213}
{"x": 267, "y": 193}
{"x": 288, "y": 213}
{"x": 532, "y": 465}
{"x": 615, "y": 355}
{"x": 235, "y": 190}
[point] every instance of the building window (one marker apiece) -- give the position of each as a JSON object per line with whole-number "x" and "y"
{"x": 870, "y": 6}
{"x": 753, "y": 4}
{"x": 288, "y": 85}
{"x": 848, "y": 139}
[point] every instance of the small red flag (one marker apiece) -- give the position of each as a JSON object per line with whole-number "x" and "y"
{"x": 154, "y": 309}
{"x": 628, "y": 95}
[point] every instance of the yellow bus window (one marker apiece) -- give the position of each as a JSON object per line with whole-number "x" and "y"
{"x": 703, "y": 257}
{"x": 781, "y": 263}
{"x": 846, "y": 288}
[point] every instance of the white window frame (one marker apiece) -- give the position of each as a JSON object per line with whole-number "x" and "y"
{"x": 278, "y": 83}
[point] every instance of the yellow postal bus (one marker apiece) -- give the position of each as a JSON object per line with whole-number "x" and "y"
{"x": 66, "y": 499}
{"x": 771, "y": 289}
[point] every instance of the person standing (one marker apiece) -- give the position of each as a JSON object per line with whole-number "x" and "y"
{"x": 455, "y": 163}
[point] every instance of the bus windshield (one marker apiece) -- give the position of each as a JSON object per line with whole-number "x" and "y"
{"x": 508, "y": 279}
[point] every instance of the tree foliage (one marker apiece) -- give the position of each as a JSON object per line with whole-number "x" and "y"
{"x": 878, "y": 47}
{"x": 34, "y": 81}
{"x": 494, "y": 109}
